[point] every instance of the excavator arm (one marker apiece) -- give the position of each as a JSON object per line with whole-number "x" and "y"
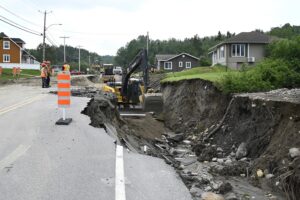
{"x": 139, "y": 62}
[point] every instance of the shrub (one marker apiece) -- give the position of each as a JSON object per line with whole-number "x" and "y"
{"x": 269, "y": 74}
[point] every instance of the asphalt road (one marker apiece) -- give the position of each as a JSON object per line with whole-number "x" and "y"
{"x": 39, "y": 160}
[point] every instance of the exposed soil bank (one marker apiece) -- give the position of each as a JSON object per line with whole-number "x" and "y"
{"x": 192, "y": 105}
{"x": 260, "y": 129}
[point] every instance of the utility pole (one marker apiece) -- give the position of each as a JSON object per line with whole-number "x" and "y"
{"x": 147, "y": 42}
{"x": 44, "y": 33}
{"x": 79, "y": 58}
{"x": 64, "y": 37}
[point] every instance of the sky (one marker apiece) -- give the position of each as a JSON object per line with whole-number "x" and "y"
{"x": 103, "y": 26}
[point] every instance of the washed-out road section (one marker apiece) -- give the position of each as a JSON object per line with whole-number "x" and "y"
{"x": 40, "y": 160}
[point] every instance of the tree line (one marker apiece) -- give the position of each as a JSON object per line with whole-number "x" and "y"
{"x": 56, "y": 56}
{"x": 196, "y": 46}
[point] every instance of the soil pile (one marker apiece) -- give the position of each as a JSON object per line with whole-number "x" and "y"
{"x": 81, "y": 81}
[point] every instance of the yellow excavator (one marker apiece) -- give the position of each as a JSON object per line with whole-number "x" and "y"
{"x": 135, "y": 91}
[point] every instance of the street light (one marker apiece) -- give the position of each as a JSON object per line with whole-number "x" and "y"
{"x": 44, "y": 38}
{"x": 79, "y": 58}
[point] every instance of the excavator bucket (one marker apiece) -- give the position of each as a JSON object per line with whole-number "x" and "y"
{"x": 153, "y": 102}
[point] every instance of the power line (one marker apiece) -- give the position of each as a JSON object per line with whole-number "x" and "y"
{"x": 51, "y": 41}
{"x": 40, "y": 34}
{"x": 52, "y": 38}
{"x": 7, "y": 10}
{"x": 19, "y": 25}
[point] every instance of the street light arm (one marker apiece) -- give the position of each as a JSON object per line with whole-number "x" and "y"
{"x": 52, "y": 25}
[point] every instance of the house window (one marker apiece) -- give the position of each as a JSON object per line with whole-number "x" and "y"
{"x": 238, "y": 50}
{"x": 168, "y": 65}
{"x": 188, "y": 65}
{"x": 6, "y": 45}
{"x": 180, "y": 64}
{"x": 222, "y": 52}
{"x": 6, "y": 58}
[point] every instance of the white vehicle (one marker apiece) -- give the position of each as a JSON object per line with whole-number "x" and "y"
{"x": 117, "y": 70}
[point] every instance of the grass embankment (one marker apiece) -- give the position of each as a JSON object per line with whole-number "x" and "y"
{"x": 214, "y": 74}
{"x": 280, "y": 70}
{"x": 25, "y": 73}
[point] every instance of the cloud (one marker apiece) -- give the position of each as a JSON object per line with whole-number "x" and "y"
{"x": 104, "y": 26}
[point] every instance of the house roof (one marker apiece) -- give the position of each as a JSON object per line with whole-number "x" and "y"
{"x": 18, "y": 40}
{"x": 2, "y": 35}
{"x": 184, "y": 54}
{"x": 253, "y": 37}
{"x": 250, "y": 37}
{"x": 167, "y": 57}
{"x": 164, "y": 57}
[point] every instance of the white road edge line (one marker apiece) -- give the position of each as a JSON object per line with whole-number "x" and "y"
{"x": 18, "y": 152}
{"x": 120, "y": 179}
{"x": 18, "y": 105}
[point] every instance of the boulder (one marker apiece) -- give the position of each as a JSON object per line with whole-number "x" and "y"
{"x": 225, "y": 188}
{"x": 241, "y": 151}
{"x": 196, "y": 192}
{"x": 176, "y": 137}
{"x": 211, "y": 196}
{"x": 294, "y": 152}
{"x": 230, "y": 196}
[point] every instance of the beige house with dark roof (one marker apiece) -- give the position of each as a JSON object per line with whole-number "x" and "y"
{"x": 244, "y": 48}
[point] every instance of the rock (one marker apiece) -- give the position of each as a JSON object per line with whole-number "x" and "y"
{"x": 214, "y": 160}
{"x": 244, "y": 159}
{"x": 232, "y": 154}
{"x": 220, "y": 160}
{"x": 176, "y": 137}
{"x": 243, "y": 175}
{"x": 294, "y": 152}
{"x": 273, "y": 198}
{"x": 230, "y": 196}
{"x": 208, "y": 188}
{"x": 187, "y": 142}
{"x": 269, "y": 176}
{"x": 259, "y": 173}
{"x": 225, "y": 188}
{"x": 241, "y": 151}
{"x": 180, "y": 151}
{"x": 196, "y": 192}
{"x": 228, "y": 162}
{"x": 211, "y": 196}
{"x": 215, "y": 186}
{"x": 219, "y": 149}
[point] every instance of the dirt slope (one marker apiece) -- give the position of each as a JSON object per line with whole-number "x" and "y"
{"x": 192, "y": 105}
{"x": 259, "y": 128}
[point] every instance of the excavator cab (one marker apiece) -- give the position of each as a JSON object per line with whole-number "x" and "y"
{"x": 135, "y": 91}
{"x": 150, "y": 101}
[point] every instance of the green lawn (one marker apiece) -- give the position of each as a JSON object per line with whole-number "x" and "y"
{"x": 213, "y": 74}
{"x": 25, "y": 73}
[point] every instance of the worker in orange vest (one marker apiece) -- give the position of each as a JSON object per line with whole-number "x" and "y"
{"x": 44, "y": 74}
{"x": 48, "y": 66}
{"x": 66, "y": 67}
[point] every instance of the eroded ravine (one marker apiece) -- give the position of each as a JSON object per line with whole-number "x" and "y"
{"x": 237, "y": 146}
